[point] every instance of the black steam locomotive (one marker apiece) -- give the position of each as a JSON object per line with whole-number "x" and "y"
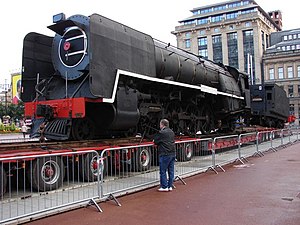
{"x": 98, "y": 77}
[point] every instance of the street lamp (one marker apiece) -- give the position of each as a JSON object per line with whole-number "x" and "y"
{"x": 5, "y": 91}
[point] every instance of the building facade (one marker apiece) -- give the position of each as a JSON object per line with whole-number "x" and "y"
{"x": 235, "y": 33}
{"x": 282, "y": 66}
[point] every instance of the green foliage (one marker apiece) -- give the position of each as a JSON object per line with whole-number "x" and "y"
{"x": 12, "y": 127}
{"x": 8, "y": 128}
{"x": 2, "y": 127}
{"x": 14, "y": 111}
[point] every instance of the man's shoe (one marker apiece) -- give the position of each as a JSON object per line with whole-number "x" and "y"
{"x": 163, "y": 189}
{"x": 170, "y": 188}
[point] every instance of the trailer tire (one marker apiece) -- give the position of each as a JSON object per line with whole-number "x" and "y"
{"x": 90, "y": 167}
{"x": 142, "y": 159}
{"x": 184, "y": 152}
{"x": 46, "y": 173}
{"x": 3, "y": 181}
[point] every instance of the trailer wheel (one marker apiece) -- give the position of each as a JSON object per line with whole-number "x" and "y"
{"x": 90, "y": 167}
{"x": 142, "y": 159}
{"x": 185, "y": 152}
{"x": 3, "y": 181}
{"x": 46, "y": 173}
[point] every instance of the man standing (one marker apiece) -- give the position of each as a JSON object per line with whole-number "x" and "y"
{"x": 166, "y": 151}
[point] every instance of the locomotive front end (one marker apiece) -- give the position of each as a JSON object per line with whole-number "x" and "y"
{"x": 70, "y": 46}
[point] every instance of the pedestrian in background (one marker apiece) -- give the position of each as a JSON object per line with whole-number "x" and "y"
{"x": 24, "y": 130}
{"x": 165, "y": 141}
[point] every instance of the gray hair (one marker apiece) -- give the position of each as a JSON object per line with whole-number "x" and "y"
{"x": 165, "y": 122}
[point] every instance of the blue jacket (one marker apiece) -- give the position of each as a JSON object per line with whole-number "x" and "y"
{"x": 165, "y": 140}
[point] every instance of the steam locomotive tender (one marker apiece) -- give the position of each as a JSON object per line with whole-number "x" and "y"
{"x": 99, "y": 77}
{"x": 269, "y": 105}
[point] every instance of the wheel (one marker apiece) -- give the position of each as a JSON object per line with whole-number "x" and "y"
{"x": 90, "y": 167}
{"x": 3, "y": 180}
{"x": 46, "y": 173}
{"x": 83, "y": 129}
{"x": 184, "y": 152}
{"x": 206, "y": 125}
{"x": 142, "y": 159}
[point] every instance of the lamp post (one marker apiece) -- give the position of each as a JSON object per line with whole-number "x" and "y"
{"x": 5, "y": 91}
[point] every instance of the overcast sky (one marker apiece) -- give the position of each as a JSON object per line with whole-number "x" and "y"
{"x": 155, "y": 17}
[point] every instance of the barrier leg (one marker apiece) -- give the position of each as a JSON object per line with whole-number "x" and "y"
{"x": 213, "y": 169}
{"x": 241, "y": 160}
{"x": 111, "y": 197}
{"x": 221, "y": 168}
{"x": 93, "y": 202}
{"x": 179, "y": 178}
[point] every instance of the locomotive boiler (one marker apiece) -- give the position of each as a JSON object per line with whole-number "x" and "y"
{"x": 97, "y": 77}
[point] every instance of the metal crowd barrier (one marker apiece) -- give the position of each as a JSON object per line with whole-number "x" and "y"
{"x": 193, "y": 156}
{"x": 128, "y": 168}
{"x": 41, "y": 183}
{"x": 89, "y": 176}
{"x": 245, "y": 146}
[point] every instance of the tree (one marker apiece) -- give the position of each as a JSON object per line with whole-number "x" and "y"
{"x": 13, "y": 110}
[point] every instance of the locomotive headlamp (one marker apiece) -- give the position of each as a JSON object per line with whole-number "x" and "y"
{"x": 67, "y": 46}
{"x": 59, "y": 17}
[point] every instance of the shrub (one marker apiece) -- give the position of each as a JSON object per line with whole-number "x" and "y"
{"x": 2, "y": 127}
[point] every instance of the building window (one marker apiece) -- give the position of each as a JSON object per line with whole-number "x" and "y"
{"x": 271, "y": 73}
{"x": 202, "y": 47}
{"x": 298, "y": 71}
{"x": 202, "y": 21}
{"x": 231, "y": 27}
{"x": 280, "y": 72}
{"x": 201, "y": 32}
{"x": 248, "y": 45}
{"x": 187, "y": 43}
{"x": 248, "y": 24}
{"x": 285, "y": 37}
{"x": 217, "y": 48}
{"x": 202, "y": 41}
{"x": 263, "y": 40}
{"x": 232, "y": 50}
{"x": 189, "y": 22}
{"x": 232, "y": 36}
{"x": 216, "y": 18}
{"x": 299, "y": 93}
{"x": 231, "y": 15}
{"x": 203, "y": 53}
{"x": 217, "y": 30}
{"x": 291, "y": 90}
{"x": 290, "y": 72}
{"x": 295, "y": 36}
{"x": 188, "y": 35}
{"x": 248, "y": 33}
